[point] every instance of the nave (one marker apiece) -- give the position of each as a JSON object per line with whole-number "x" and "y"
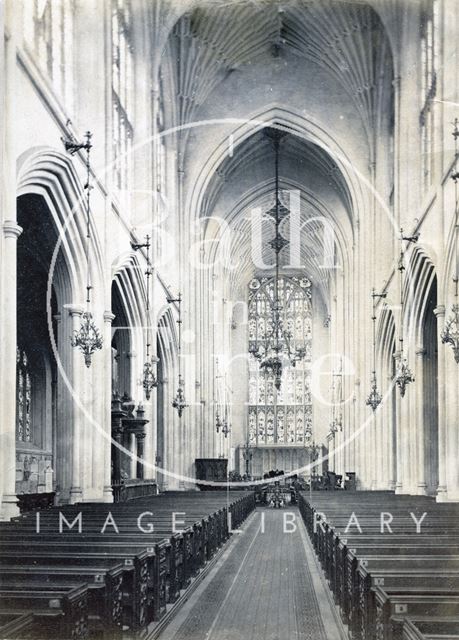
{"x": 266, "y": 586}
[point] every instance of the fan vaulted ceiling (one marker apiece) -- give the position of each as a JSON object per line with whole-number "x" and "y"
{"x": 347, "y": 39}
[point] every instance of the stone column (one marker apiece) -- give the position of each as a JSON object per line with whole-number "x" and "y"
{"x": 382, "y": 427}
{"x": 107, "y": 439}
{"x": 451, "y": 419}
{"x": 407, "y": 462}
{"x": 372, "y": 449}
{"x": 117, "y": 430}
{"x": 331, "y": 451}
{"x": 11, "y": 232}
{"x": 164, "y": 464}
{"x": 152, "y": 426}
{"x": 421, "y": 484}
{"x": 441, "y": 491}
{"x": 76, "y": 493}
{"x": 140, "y": 437}
{"x": 399, "y": 449}
{"x": 391, "y": 422}
{"x": 132, "y": 458}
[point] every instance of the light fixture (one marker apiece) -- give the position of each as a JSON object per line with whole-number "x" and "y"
{"x": 403, "y": 374}
{"x": 88, "y": 337}
{"x": 221, "y": 423}
{"x": 336, "y": 423}
{"x": 333, "y": 428}
{"x": 450, "y": 333}
{"x": 218, "y": 421}
{"x": 149, "y": 380}
{"x": 375, "y": 398}
{"x": 314, "y": 449}
{"x": 226, "y": 429}
{"x": 179, "y": 401}
{"x": 339, "y": 422}
{"x": 247, "y": 454}
{"x": 275, "y": 347}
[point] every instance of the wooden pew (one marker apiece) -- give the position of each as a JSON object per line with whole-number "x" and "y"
{"x": 353, "y": 563}
{"x": 105, "y": 584}
{"x": 426, "y": 628}
{"x": 155, "y": 566}
{"x": 391, "y": 603}
{"x": 61, "y": 613}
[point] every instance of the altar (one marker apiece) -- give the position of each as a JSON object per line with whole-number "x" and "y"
{"x": 286, "y": 458}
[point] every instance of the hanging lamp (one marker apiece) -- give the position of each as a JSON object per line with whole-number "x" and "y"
{"x": 149, "y": 380}
{"x": 375, "y": 398}
{"x": 88, "y": 337}
{"x": 403, "y": 374}
{"x": 275, "y": 347}
{"x": 179, "y": 401}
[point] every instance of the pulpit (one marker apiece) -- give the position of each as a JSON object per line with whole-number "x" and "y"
{"x": 126, "y": 422}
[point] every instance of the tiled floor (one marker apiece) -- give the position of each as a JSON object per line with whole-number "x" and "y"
{"x": 266, "y": 586}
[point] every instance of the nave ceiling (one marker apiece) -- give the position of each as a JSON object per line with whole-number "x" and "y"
{"x": 297, "y": 52}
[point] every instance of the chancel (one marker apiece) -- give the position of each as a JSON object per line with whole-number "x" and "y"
{"x": 229, "y": 319}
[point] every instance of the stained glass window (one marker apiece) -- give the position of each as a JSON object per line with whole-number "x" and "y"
{"x": 23, "y": 398}
{"x": 281, "y": 416}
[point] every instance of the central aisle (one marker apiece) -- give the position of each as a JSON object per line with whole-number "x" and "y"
{"x": 266, "y": 586}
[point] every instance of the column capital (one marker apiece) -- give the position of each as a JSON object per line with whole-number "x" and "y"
{"x": 74, "y": 309}
{"x": 11, "y": 229}
{"x": 109, "y": 317}
{"x": 440, "y": 310}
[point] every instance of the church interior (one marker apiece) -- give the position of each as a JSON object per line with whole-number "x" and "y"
{"x": 229, "y": 302}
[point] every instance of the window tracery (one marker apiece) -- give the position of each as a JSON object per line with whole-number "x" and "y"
{"x": 23, "y": 398}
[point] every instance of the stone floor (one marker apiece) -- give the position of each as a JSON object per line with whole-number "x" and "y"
{"x": 266, "y": 586}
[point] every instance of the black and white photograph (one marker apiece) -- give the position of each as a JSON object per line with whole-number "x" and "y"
{"x": 229, "y": 320}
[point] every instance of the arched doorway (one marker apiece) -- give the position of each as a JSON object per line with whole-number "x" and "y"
{"x": 121, "y": 345}
{"x": 430, "y": 390}
{"x": 168, "y": 450}
{"x": 40, "y": 464}
{"x": 422, "y": 430}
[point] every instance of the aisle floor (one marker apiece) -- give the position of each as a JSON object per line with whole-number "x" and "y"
{"x": 267, "y": 585}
